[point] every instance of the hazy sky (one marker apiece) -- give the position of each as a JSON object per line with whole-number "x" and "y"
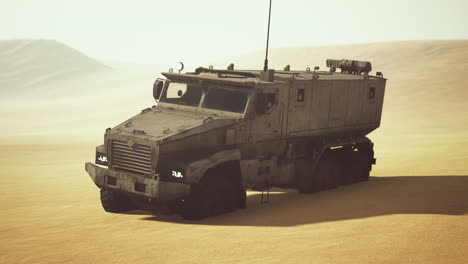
{"x": 202, "y": 31}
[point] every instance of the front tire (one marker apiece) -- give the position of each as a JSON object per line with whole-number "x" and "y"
{"x": 200, "y": 201}
{"x": 213, "y": 195}
{"x": 115, "y": 202}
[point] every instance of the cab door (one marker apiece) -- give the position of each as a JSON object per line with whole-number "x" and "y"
{"x": 268, "y": 119}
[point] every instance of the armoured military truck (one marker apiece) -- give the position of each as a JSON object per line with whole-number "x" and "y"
{"x": 215, "y": 133}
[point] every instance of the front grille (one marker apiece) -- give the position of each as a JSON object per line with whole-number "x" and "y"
{"x": 135, "y": 159}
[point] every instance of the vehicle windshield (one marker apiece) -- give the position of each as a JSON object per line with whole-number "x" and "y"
{"x": 182, "y": 94}
{"x": 216, "y": 97}
{"x": 225, "y": 99}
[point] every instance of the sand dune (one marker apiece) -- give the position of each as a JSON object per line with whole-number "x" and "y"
{"x": 28, "y": 63}
{"x": 48, "y": 88}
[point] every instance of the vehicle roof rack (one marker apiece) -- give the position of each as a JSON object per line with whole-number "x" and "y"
{"x": 227, "y": 72}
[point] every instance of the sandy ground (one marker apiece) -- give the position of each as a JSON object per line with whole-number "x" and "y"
{"x": 50, "y": 213}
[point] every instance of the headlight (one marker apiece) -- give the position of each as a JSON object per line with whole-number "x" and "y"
{"x": 101, "y": 159}
{"x": 177, "y": 174}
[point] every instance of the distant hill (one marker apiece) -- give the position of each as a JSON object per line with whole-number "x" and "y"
{"x": 48, "y": 88}
{"x": 134, "y": 67}
{"x": 31, "y": 62}
{"x": 38, "y": 70}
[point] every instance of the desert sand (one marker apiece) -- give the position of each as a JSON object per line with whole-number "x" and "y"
{"x": 50, "y": 209}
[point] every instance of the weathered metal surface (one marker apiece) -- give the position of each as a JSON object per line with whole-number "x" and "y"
{"x": 287, "y": 116}
{"x": 158, "y": 190}
{"x": 197, "y": 169}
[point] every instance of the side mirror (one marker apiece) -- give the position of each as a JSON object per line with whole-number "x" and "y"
{"x": 157, "y": 88}
{"x": 264, "y": 102}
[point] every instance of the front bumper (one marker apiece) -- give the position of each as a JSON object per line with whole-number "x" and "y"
{"x": 159, "y": 191}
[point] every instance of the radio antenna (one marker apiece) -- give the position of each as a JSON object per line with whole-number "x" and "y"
{"x": 265, "y": 66}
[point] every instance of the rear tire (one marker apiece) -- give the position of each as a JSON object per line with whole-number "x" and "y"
{"x": 336, "y": 167}
{"x": 306, "y": 181}
{"x": 335, "y": 172}
{"x": 323, "y": 174}
{"x": 366, "y": 156}
{"x": 322, "y": 178}
{"x": 115, "y": 202}
{"x": 364, "y": 171}
{"x": 352, "y": 168}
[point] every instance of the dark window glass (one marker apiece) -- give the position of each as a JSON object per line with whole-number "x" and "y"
{"x": 182, "y": 94}
{"x": 300, "y": 95}
{"x": 264, "y": 102}
{"x": 371, "y": 92}
{"x": 231, "y": 100}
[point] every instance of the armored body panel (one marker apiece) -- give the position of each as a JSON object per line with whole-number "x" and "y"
{"x": 322, "y": 104}
{"x": 214, "y": 133}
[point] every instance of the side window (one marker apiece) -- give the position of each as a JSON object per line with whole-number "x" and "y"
{"x": 371, "y": 93}
{"x": 264, "y": 102}
{"x": 300, "y": 95}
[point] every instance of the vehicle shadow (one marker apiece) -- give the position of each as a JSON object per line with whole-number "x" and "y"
{"x": 446, "y": 195}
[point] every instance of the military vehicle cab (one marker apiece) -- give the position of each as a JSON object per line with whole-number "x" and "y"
{"x": 215, "y": 133}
